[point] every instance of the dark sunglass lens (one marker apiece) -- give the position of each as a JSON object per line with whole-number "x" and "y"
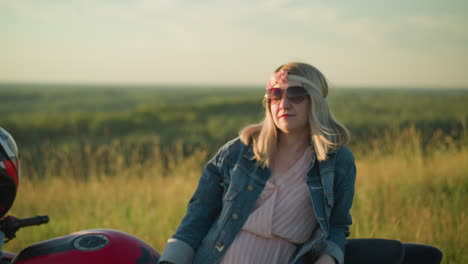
{"x": 296, "y": 94}
{"x": 295, "y": 91}
{"x": 297, "y": 99}
{"x": 275, "y": 93}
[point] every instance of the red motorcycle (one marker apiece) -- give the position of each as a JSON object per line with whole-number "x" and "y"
{"x": 89, "y": 246}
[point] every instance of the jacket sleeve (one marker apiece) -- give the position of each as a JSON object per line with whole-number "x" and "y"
{"x": 340, "y": 217}
{"x": 203, "y": 208}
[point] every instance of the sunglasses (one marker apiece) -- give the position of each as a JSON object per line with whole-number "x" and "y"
{"x": 295, "y": 94}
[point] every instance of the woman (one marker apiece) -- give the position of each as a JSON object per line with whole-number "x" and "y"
{"x": 281, "y": 193}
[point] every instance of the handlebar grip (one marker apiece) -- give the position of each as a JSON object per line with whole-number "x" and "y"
{"x": 37, "y": 220}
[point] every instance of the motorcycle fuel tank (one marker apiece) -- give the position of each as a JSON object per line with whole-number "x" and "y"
{"x": 90, "y": 246}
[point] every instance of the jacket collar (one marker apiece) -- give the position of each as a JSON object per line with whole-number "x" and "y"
{"x": 249, "y": 153}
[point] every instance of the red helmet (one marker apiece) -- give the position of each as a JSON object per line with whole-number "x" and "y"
{"x": 9, "y": 171}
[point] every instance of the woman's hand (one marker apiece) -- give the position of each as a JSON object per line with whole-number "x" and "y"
{"x": 325, "y": 259}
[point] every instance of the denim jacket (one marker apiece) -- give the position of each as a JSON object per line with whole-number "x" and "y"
{"x": 226, "y": 194}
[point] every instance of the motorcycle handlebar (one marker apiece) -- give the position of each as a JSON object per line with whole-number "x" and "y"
{"x": 37, "y": 220}
{"x": 9, "y": 225}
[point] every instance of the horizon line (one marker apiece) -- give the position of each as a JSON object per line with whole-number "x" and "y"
{"x": 214, "y": 85}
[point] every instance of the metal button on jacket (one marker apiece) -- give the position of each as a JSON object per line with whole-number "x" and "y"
{"x": 250, "y": 188}
{"x": 235, "y": 216}
{"x": 219, "y": 246}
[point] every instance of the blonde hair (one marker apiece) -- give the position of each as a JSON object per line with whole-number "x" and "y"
{"x": 326, "y": 134}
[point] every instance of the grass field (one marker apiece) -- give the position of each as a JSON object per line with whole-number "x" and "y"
{"x": 130, "y": 159}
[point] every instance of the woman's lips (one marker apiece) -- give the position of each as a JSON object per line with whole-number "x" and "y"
{"x": 285, "y": 115}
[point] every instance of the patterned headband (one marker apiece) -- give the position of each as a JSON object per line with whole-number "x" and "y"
{"x": 282, "y": 77}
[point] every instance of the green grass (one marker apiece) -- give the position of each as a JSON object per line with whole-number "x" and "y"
{"x": 407, "y": 197}
{"x": 128, "y": 158}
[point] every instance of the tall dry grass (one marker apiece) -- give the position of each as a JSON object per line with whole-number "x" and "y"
{"x": 403, "y": 191}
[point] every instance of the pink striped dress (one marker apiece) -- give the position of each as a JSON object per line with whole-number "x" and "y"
{"x": 282, "y": 218}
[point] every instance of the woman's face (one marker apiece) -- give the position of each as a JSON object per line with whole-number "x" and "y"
{"x": 290, "y": 116}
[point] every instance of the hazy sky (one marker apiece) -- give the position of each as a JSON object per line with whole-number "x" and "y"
{"x": 354, "y": 43}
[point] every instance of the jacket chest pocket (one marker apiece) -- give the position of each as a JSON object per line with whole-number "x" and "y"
{"x": 232, "y": 183}
{"x": 314, "y": 183}
{"x": 323, "y": 201}
{"x": 231, "y": 192}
